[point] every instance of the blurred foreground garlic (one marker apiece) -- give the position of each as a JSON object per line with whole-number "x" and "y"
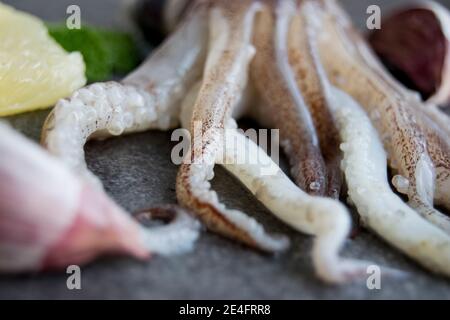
{"x": 50, "y": 219}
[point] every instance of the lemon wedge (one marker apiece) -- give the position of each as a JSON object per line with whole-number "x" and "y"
{"x": 35, "y": 72}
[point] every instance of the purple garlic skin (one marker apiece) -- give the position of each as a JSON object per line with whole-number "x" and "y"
{"x": 414, "y": 45}
{"x": 50, "y": 218}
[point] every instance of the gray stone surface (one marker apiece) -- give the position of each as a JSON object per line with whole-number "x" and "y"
{"x": 137, "y": 172}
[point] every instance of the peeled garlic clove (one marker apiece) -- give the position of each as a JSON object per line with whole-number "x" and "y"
{"x": 414, "y": 44}
{"x": 49, "y": 218}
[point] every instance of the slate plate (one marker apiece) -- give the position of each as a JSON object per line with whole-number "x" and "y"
{"x": 137, "y": 172}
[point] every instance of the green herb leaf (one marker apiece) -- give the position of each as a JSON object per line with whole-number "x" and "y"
{"x": 105, "y": 52}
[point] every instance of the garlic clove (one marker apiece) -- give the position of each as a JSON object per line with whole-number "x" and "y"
{"x": 49, "y": 218}
{"x": 414, "y": 44}
{"x": 100, "y": 227}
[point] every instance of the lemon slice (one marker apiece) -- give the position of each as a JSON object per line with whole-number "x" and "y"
{"x": 35, "y": 72}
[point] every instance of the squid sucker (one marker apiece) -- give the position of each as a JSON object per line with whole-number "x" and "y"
{"x": 296, "y": 66}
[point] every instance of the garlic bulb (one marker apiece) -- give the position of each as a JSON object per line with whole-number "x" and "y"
{"x": 50, "y": 218}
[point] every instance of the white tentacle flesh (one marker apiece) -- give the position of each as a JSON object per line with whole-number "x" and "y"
{"x": 178, "y": 236}
{"x": 200, "y": 78}
{"x": 223, "y": 84}
{"x": 353, "y": 68}
{"x": 365, "y": 166}
{"x": 148, "y": 99}
{"x": 326, "y": 219}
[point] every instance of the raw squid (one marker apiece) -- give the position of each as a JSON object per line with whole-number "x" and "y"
{"x": 365, "y": 171}
{"x": 273, "y": 60}
{"x": 410, "y": 140}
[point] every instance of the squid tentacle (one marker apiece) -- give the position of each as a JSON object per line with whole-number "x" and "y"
{"x": 365, "y": 171}
{"x": 436, "y": 127}
{"x": 352, "y": 67}
{"x": 439, "y": 117}
{"x": 224, "y": 80}
{"x": 176, "y": 237}
{"x": 439, "y": 150}
{"x": 147, "y": 99}
{"x": 298, "y": 99}
{"x": 305, "y": 61}
{"x": 283, "y": 105}
{"x": 326, "y": 219}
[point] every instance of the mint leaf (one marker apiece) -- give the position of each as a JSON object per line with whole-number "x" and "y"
{"x": 105, "y": 52}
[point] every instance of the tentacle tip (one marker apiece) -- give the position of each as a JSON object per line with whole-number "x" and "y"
{"x": 279, "y": 244}
{"x": 177, "y": 237}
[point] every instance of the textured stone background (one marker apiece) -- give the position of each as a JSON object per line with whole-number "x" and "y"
{"x": 137, "y": 172}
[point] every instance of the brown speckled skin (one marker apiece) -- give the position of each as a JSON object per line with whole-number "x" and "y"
{"x": 307, "y": 128}
{"x": 213, "y": 108}
{"x": 403, "y": 140}
{"x": 311, "y": 79}
{"x": 299, "y": 138}
{"x": 438, "y": 146}
{"x": 216, "y": 101}
{"x": 314, "y": 156}
{"x": 408, "y": 133}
